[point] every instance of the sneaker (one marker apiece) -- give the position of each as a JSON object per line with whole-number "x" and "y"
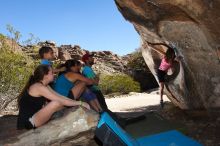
{"x": 161, "y": 104}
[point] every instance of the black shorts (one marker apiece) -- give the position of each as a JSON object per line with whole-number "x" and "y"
{"x": 28, "y": 125}
{"x": 25, "y": 124}
{"x": 161, "y": 75}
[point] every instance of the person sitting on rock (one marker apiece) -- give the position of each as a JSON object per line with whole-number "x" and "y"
{"x": 166, "y": 63}
{"x": 47, "y": 55}
{"x": 71, "y": 80}
{"x": 89, "y": 73}
{"x": 33, "y": 109}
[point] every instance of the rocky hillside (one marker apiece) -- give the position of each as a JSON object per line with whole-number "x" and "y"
{"x": 192, "y": 26}
{"x": 106, "y": 61}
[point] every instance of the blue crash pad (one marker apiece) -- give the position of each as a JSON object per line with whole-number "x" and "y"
{"x": 168, "y": 138}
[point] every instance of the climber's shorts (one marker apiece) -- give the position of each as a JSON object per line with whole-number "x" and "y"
{"x": 161, "y": 75}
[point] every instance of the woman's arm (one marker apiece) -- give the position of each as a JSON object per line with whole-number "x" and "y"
{"x": 84, "y": 79}
{"x": 156, "y": 47}
{"x": 179, "y": 58}
{"x": 57, "y": 70}
{"x": 48, "y": 93}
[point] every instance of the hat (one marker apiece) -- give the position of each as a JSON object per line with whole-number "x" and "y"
{"x": 86, "y": 56}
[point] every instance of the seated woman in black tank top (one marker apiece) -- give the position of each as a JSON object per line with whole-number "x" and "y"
{"x": 33, "y": 110}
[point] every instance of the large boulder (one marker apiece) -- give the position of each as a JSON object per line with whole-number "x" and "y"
{"x": 75, "y": 127}
{"x": 74, "y": 52}
{"x": 192, "y": 26}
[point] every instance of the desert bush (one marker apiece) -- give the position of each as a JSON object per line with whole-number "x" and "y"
{"x": 119, "y": 83}
{"x": 15, "y": 68}
{"x": 136, "y": 61}
{"x": 140, "y": 72}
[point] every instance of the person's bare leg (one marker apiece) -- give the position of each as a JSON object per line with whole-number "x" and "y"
{"x": 161, "y": 90}
{"x": 78, "y": 89}
{"x": 161, "y": 94}
{"x": 98, "y": 105}
{"x": 46, "y": 112}
{"x": 93, "y": 105}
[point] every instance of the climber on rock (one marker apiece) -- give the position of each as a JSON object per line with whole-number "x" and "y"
{"x": 166, "y": 63}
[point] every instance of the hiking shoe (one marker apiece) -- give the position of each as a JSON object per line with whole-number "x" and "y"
{"x": 161, "y": 104}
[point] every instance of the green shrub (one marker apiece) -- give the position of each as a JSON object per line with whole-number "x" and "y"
{"x": 118, "y": 84}
{"x": 15, "y": 69}
{"x": 2, "y": 37}
{"x": 136, "y": 61}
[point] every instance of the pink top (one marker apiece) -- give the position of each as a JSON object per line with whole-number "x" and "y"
{"x": 164, "y": 66}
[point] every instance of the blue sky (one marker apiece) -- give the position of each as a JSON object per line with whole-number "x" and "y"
{"x": 93, "y": 24}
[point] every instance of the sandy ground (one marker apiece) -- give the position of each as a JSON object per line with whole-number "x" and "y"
{"x": 125, "y": 103}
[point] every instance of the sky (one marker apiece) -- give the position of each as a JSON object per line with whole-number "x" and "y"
{"x": 95, "y": 25}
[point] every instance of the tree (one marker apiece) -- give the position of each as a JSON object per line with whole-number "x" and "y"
{"x": 14, "y": 35}
{"x": 32, "y": 40}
